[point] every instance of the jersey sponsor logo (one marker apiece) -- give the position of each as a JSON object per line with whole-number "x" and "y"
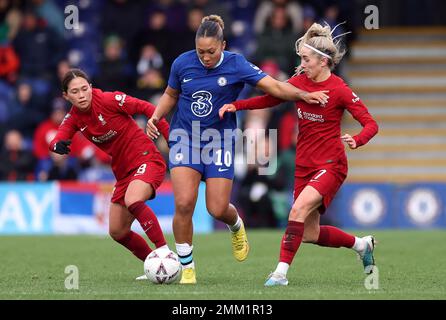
{"x": 299, "y": 113}
{"x": 105, "y": 137}
{"x": 83, "y": 128}
{"x": 222, "y": 169}
{"x": 356, "y": 98}
{"x": 222, "y": 81}
{"x": 121, "y": 99}
{"x": 310, "y": 116}
{"x": 202, "y": 107}
{"x": 187, "y": 80}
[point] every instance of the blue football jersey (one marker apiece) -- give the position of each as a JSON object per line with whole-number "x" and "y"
{"x": 204, "y": 91}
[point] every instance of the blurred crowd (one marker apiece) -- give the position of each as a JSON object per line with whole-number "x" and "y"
{"x": 129, "y": 46}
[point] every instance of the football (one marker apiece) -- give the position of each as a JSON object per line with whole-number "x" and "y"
{"x": 162, "y": 266}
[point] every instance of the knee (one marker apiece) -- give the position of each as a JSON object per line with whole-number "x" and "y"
{"x": 184, "y": 208}
{"x": 118, "y": 234}
{"x": 299, "y": 212}
{"x": 311, "y": 235}
{"x": 131, "y": 199}
{"x": 217, "y": 211}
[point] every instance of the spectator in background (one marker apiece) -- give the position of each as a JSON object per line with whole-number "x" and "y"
{"x": 114, "y": 70}
{"x": 210, "y": 7}
{"x": 9, "y": 26}
{"x": 150, "y": 59}
{"x": 331, "y": 17}
{"x": 309, "y": 16}
{"x": 156, "y": 34}
{"x": 24, "y": 113}
{"x": 10, "y": 20}
{"x": 122, "y": 18}
{"x": 17, "y": 163}
{"x": 187, "y": 39}
{"x": 46, "y": 131}
{"x": 39, "y": 48}
{"x": 293, "y": 11}
{"x": 174, "y": 10}
{"x": 276, "y": 41}
{"x": 52, "y": 14}
{"x": 63, "y": 167}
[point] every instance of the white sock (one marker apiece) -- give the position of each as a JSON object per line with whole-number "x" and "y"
{"x": 359, "y": 245}
{"x": 164, "y": 247}
{"x": 184, "y": 251}
{"x": 282, "y": 268}
{"x": 236, "y": 226}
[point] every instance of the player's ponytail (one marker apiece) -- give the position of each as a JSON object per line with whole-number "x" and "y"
{"x": 319, "y": 39}
{"x": 211, "y": 26}
{"x": 70, "y": 75}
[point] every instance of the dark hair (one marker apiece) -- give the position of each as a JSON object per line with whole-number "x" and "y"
{"x": 70, "y": 75}
{"x": 211, "y": 26}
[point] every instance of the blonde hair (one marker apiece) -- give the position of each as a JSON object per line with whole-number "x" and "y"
{"x": 320, "y": 38}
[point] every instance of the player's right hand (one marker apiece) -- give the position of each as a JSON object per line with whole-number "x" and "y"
{"x": 315, "y": 97}
{"x": 151, "y": 129}
{"x": 62, "y": 147}
{"x": 226, "y": 108}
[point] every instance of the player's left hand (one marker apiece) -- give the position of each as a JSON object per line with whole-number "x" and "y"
{"x": 151, "y": 129}
{"x": 349, "y": 140}
{"x": 226, "y": 108}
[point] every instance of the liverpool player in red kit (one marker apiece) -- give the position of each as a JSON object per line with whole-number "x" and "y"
{"x": 321, "y": 163}
{"x": 105, "y": 118}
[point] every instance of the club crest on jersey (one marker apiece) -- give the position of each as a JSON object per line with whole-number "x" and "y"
{"x": 222, "y": 81}
{"x": 121, "y": 99}
{"x": 101, "y": 118}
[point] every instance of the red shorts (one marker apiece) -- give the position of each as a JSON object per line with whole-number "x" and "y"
{"x": 151, "y": 169}
{"x": 326, "y": 180}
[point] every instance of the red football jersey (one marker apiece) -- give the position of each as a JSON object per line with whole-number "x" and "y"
{"x": 319, "y": 138}
{"x": 110, "y": 126}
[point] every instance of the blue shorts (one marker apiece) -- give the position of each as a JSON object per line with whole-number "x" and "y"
{"x": 211, "y": 162}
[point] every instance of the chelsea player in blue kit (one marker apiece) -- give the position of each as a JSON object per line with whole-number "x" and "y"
{"x": 200, "y": 82}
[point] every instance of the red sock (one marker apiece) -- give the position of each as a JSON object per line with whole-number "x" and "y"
{"x": 333, "y": 237}
{"x": 291, "y": 241}
{"x": 136, "y": 244}
{"x": 148, "y": 222}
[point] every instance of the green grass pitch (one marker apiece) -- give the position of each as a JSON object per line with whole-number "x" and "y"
{"x": 412, "y": 265}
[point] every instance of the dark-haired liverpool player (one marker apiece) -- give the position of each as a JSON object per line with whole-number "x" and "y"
{"x": 105, "y": 118}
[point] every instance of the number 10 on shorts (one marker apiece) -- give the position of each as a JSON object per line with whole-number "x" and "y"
{"x": 227, "y": 158}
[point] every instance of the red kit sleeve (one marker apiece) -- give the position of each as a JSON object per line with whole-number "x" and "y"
{"x": 132, "y": 106}
{"x": 359, "y": 111}
{"x": 66, "y": 130}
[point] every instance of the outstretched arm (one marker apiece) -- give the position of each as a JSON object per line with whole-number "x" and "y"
{"x": 167, "y": 101}
{"x": 260, "y": 102}
{"x": 287, "y": 91}
{"x": 61, "y": 142}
